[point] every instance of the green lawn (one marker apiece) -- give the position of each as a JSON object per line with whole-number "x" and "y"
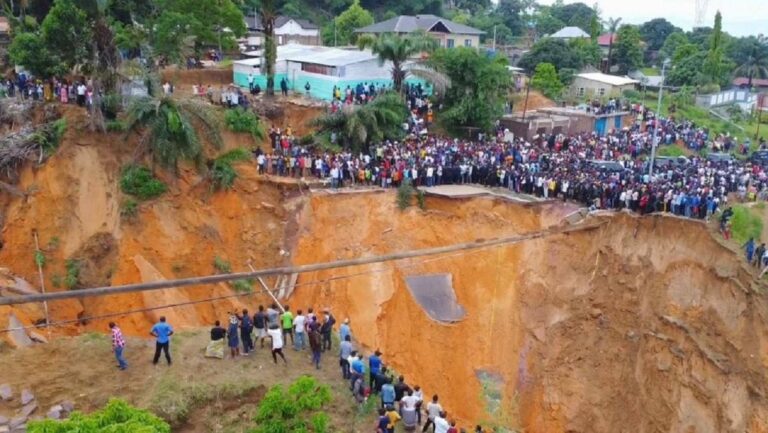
{"x": 650, "y": 71}
{"x": 745, "y": 224}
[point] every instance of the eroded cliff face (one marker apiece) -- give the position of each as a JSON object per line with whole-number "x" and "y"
{"x": 643, "y": 325}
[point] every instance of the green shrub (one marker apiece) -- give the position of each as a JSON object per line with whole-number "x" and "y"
{"x": 221, "y": 265}
{"x": 632, "y": 95}
{"x": 404, "y": 195}
{"x": 242, "y": 286}
{"x": 56, "y": 281}
{"x": 746, "y": 224}
{"x": 115, "y": 126}
{"x": 49, "y": 136}
{"x": 245, "y": 121}
{"x": 129, "y": 208}
{"x": 139, "y": 181}
{"x": 296, "y": 409}
{"x": 72, "y": 279}
{"x": 111, "y": 105}
{"x": 117, "y": 416}
{"x": 39, "y": 258}
{"x": 421, "y": 199}
{"x": 223, "y": 174}
{"x": 671, "y": 150}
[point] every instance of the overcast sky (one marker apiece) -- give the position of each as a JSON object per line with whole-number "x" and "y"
{"x": 740, "y": 17}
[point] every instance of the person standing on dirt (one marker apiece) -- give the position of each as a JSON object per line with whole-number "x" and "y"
{"x": 162, "y": 331}
{"x": 307, "y": 87}
{"x": 759, "y": 252}
{"x": 400, "y": 390}
{"x": 273, "y": 317}
{"x": 232, "y": 336}
{"x": 287, "y": 320}
{"x": 315, "y": 343}
{"x": 345, "y": 349}
{"x": 250, "y": 81}
{"x": 299, "y": 331}
{"x": 284, "y": 87}
{"x": 433, "y": 411}
{"x": 749, "y": 247}
{"x": 374, "y": 367}
{"x": 441, "y": 423}
{"x": 277, "y": 344}
{"x": 260, "y": 323}
{"x": 246, "y": 329}
{"x": 327, "y": 328}
{"x": 388, "y": 394}
{"x": 118, "y": 345}
{"x": 345, "y": 331}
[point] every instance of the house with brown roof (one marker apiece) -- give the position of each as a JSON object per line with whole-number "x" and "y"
{"x": 447, "y": 32}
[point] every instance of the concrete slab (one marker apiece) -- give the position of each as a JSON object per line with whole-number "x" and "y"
{"x": 466, "y": 191}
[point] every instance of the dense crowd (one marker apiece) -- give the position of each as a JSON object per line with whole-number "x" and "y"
{"x": 602, "y": 172}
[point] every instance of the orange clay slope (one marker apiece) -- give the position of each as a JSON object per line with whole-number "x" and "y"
{"x": 645, "y": 325}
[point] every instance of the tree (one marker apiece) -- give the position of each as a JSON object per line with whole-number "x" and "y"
{"x": 169, "y": 126}
{"x": 671, "y": 44}
{"x": 755, "y": 65}
{"x": 511, "y": 12}
{"x": 613, "y": 24}
{"x": 214, "y": 16}
{"x": 574, "y": 14}
{"x": 544, "y": 22}
{"x": 687, "y": 69}
{"x": 479, "y": 86}
{"x": 31, "y": 51}
{"x": 655, "y": 32}
{"x": 712, "y": 67}
{"x": 554, "y": 51}
{"x": 173, "y": 38}
{"x": 268, "y": 16}
{"x": 546, "y": 80}
{"x": 587, "y": 51}
{"x": 357, "y": 127}
{"x": 117, "y": 416}
{"x": 398, "y": 50}
{"x": 351, "y": 19}
{"x": 472, "y": 6}
{"x": 629, "y": 50}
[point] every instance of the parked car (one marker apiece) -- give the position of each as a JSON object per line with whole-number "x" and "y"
{"x": 719, "y": 157}
{"x": 759, "y": 157}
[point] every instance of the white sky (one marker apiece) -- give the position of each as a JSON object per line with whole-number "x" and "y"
{"x": 740, "y": 17}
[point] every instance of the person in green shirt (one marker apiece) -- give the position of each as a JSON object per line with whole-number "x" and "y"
{"x": 287, "y": 320}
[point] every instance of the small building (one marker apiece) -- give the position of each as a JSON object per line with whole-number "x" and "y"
{"x": 535, "y": 123}
{"x": 581, "y": 120}
{"x": 568, "y": 33}
{"x": 599, "y": 85}
{"x": 447, "y": 32}
{"x": 287, "y": 31}
{"x": 321, "y": 67}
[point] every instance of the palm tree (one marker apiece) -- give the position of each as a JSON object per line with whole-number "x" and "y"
{"x": 613, "y": 24}
{"x": 398, "y": 50}
{"x": 169, "y": 129}
{"x": 756, "y": 64}
{"x": 268, "y": 16}
{"x": 359, "y": 126}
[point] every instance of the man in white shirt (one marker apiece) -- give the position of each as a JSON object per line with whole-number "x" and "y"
{"x": 433, "y": 411}
{"x": 441, "y": 423}
{"x": 299, "y": 325}
{"x": 250, "y": 81}
{"x": 81, "y": 89}
{"x": 276, "y": 335}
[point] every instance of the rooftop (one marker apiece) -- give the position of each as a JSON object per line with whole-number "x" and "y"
{"x": 756, "y": 82}
{"x": 326, "y": 56}
{"x": 604, "y": 40}
{"x": 409, "y": 24}
{"x": 612, "y": 80}
{"x": 253, "y": 22}
{"x": 569, "y": 33}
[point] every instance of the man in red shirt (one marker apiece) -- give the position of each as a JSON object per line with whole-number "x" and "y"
{"x": 118, "y": 344}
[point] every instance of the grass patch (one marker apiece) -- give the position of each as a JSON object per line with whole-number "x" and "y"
{"x": 129, "y": 209}
{"x": 244, "y": 121}
{"x": 671, "y": 150}
{"x": 49, "y": 136}
{"x": 295, "y": 409}
{"x": 174, "y": 400}
{"x": 139, "y": 181}
{"x": 650, "y": 71}
{"x": 745, "y": 224}
{"x": 222, "y": 266}
{"x": 115, "y": 126}
{"x": 242, "y": 286}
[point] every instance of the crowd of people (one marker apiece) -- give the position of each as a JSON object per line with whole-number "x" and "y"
{"x": 602, "y": 172}
{"x": 52, "y": 90}
{"x": 396, "y": 400}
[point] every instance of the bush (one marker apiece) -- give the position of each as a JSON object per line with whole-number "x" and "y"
{"x": 111, "y": 105}
{"x": 242, "y": 286}
{"x": 245, "y": 121}
{"x": 129, "y": 208}
{"x": 404, "y": 195}
{"x": 296, "y": 409}
{"x": 72, "y": 279}
{"x": 421, "y": 199}
{"x": 139, "y": 181}
{"x": 223, "y": 174}
{"x": 117, "y": 416}
{"x": 632, "y": 95}
{"x": 49, "y": 136}
{"x": 221, "y": 265}
{"x": 115, "y": 126}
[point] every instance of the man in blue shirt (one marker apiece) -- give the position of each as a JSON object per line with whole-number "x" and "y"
{"x": 344, "y": 331}
{"x": 374, "y": 366}
{"x": 162, "y": 331}
{"x": 388, "y": 394}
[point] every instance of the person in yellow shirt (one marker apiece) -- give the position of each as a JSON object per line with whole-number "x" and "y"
{"x": 394, "y": 417}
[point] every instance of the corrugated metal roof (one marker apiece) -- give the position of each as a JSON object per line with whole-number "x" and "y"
{"x": 327, "y": 56}
{"x": 569, "y": 33}
{"x": 409, "y": 24}
{"x": 613, "y": 80}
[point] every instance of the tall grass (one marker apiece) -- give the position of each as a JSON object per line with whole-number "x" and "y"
{"x": 746, "y": 224}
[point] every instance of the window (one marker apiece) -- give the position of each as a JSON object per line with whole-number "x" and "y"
{"x": 601, "y": 91}
{"x": 467, "y": 42}
{"x": 581, "y": 91}
{"x": 280, "y": 40}
{"x": 449, "y": 43}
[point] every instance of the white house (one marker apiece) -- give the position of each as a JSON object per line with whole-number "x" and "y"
{"x": 321, "y": 67}
{"x": 596, "y": 84}
{"x": 568, "y": 33}
{"x": 287, "y": 30}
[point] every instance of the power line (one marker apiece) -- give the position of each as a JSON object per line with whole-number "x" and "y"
{"x": 219, "y": 298}
{"x": 285, "y": 270}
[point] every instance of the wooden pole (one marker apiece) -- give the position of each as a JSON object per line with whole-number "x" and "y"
{"x": 219, "y": 278}
{"x": 42, "y": 279}
{"x": 266, "y": 289}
